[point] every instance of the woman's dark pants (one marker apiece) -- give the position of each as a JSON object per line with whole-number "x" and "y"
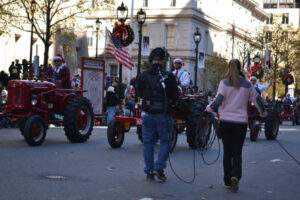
{"x": 233, "y": 136}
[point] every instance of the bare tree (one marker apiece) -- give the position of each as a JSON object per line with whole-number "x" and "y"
{"x": 51, "y": 17}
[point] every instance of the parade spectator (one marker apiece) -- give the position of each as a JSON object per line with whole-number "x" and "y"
{"x": 287, "y": 99}
{"x": 19, "y": 67}
{"x": 3, "y": 78}
{"x": 131, "y": 91}
{"x": 14, "y": 73}
{"x": 25, "y": 66}
{"x": 111, "y": 103}
{"x": 61, "y": 73}
{"x": 233, "y": 95}
{"x": 158, "y": 90}
{"x": 4, "y": 120}
{"x": 76, "y": 81}
{"x": 258, "y": 87}
{"x": 181, "y": 75}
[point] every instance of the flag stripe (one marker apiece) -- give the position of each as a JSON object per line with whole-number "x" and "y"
{"x": 114, "y": 48}
{"x": 126, "y": 60}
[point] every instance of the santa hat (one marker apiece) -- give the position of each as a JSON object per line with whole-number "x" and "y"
{"x": 179, "y": 60}
{"x": 59, "y": 57}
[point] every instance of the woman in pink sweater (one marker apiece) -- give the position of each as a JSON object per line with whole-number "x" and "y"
{"x": 233, "y": 95}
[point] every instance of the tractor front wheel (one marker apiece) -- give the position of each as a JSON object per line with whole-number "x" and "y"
{"x": 35, "y": 130}
{"x": 115, "y": 133}
{"x": 78, "y": 120}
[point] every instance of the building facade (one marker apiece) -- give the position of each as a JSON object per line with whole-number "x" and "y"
{"x": 169, "y": 23}
{"x": 172, "y": 24}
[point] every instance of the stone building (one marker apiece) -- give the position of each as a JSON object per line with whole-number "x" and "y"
{"x": 169, "y": 23}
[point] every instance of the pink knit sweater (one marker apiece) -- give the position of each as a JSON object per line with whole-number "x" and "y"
{"x": 234, "y": 101}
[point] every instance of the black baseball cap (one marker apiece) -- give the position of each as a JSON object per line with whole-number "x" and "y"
{"x": 157, "y": 54}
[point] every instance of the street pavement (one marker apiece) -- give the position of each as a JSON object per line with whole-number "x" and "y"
{"x": 59, "y": 170}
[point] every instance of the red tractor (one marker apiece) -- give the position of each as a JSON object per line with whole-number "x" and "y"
{"x": 188, "y": 116}
{"x": 287, "y": 113}
{"x": 271, "y": 122}
{"x": 34, "y": 104}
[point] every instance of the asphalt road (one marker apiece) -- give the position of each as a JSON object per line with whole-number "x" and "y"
{"x": 59, "y": 170}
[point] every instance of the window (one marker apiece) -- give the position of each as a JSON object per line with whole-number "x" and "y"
{"x": 269, "y": 36}
{"x": 144, "y": 29}
{"x": 145, "y": 3}
{"x": 173, "y": 3}
{"x": 270, "y": 19}
{"x": 270, "y": 1}
{"x": 90, "y": 41}
{"x": 285, "y": 18}
{"x": 170, "y": 36}
{"x": 286, "y": 1}
{"x": 113, "y": 70}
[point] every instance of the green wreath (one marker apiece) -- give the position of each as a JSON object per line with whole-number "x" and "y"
{"x": 124, "y": 33}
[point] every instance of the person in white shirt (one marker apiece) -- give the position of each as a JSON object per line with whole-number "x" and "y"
{"x": 258, "y": 87}
{"x": 181, "y": 75}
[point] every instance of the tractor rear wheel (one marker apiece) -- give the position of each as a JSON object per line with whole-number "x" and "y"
{"x": 115, "y": 133}
{"x": 193, "y": 121}
{"x": 78, "y": 120}
{"x": 34, "y": 130}
{"x": 272, "y": 125}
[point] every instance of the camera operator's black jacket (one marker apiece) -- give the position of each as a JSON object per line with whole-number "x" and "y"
{"x": 149, "y": 88}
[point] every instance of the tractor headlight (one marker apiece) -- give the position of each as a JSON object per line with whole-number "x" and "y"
{"x": 34, "y": 102}
{"x": 3, "y": 101}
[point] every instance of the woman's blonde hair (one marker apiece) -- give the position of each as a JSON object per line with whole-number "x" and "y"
{"x": 232, "y": 74}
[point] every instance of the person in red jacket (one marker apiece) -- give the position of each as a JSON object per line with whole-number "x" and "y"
{"x": 61, "y": 73}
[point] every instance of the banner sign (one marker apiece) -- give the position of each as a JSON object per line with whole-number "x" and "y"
{"x": 92, "y": 80}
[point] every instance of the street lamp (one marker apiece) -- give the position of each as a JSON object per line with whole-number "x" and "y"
{"x": 256, "y": 59}
{"x": 141, "y": 18}
{"x": 97, "y": 30}
{"x": 122, "y": 14}
{"x": 32, "y": 8}
{"x": 197, "y": 39}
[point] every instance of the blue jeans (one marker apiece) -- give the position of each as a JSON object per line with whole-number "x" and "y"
{"x": 153, "y": 125}
{"x": 111, "y": 112}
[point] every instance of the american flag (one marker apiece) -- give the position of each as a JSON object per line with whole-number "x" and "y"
{"x": 114, "y": 48}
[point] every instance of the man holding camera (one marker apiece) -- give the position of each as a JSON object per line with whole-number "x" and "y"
{"x": 157, "y": 89}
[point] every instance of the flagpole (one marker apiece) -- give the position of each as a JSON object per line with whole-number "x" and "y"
{"x": 130, "y": 47}
{"x": 233, "y": 32}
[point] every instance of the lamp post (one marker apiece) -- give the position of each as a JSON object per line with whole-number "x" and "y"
{"x": 197, "y": 39}
{"x": 256, "y": 59}
{"x": 97, "y": 30}
{"x": 141, "y": 18}
{"x": 32, "y": 8}
{"x": 122, "y": 14}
